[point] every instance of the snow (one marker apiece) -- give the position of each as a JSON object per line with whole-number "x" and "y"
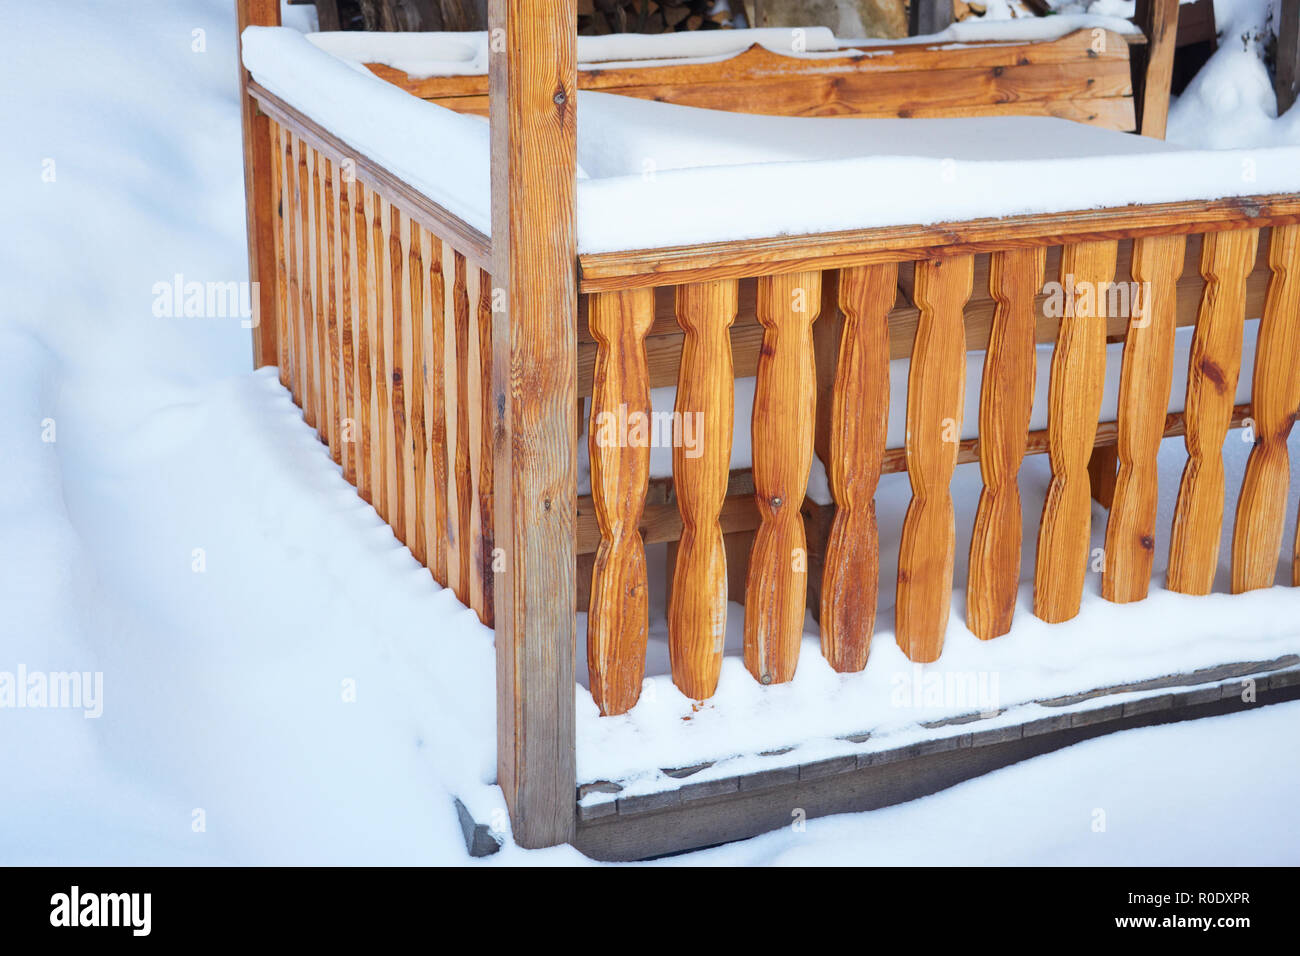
{"x": 224, "y": 687}
{"x": 1159, "y": 796}
{"x": 422, "y": 55}
{"x": 665, "y": 175}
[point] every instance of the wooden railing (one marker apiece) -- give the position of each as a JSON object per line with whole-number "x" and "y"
{"x": 815, "y": 318}
{"x": 384, "y": 336}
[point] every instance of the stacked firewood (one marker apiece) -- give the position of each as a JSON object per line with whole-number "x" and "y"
{"x": 653, "y": 16}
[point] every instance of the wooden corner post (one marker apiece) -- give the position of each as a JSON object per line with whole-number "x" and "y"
{"x": 1153, "y": 64}
{"x": 534, "y": 377}
{"x": 257, "y": 190}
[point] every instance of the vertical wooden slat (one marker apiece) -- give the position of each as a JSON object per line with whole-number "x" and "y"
{"x": 417, "y": 395}
{"x": 459, "y": 385}
{"x": 365, "y": 325}
{"x": 307, "y": 310}
{"x": 329, "y": 280}
{"x": 350, "y": 422}
{"x": 451, "y": 360}
{"x": 859, "y": 421}
{"x": 1074, "y": 403}
{"x": 1006, "y": 401}
{"x": 936, "y": 387}
{"x": 619, "y": 619}
{"x": 320, "y": 367}
{"x": 435, "y": 415}
{"x": 1153, "y": 64}
{"x": 485, "y": 480}
{"x": 1275, "y": 402}
{"x": 260, "y": 197}
{"x": 472, "y": 396}
{"x": 1227, "y": 258}
{"x": 1145, "y": 376}
{"x": 293, "y": 262}
{"x": 782, "y": 433}
{"x": 381, "y": 439}
{"x": 279, "y": 224}
{"x": 697, "y": 611}
{"x": 399, "y": 321}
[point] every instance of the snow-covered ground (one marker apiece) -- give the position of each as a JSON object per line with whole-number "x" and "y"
{"x": 280, "y": 682}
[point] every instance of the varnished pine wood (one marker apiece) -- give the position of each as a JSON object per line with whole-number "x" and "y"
{"x": 417, "y": 392}
{"x": 459, "y": 452}
{"x": 485, "y": 479}
{"x": 307, "y": 310}
{"x": 365, "y": 326}
{"x": 436, "y": 416}
{"x": 1145, "y": 376}
{"x": 350, "y": 423}
{"x": 330, "y": 296}
{"x": 1275, "y": 403}
{"x": 739, "y": 259}
{"x": 473, "y": 420}
{"x": 1074, "y": 404}
{"x": 859, "y": 420}
{"x": 398, "y": 345}
{"x": 697, "y": 610}
{"x": 1213, "y": 369}
{"x": 279, "y": 199}
{"x": 380, "y": 359}
{"x": 534, "y": 161}
{"x": 936, "y": 385}
{"x": 260, "y": 194}
{"x": 783, "y": 426}
{"x": 1006, "y": 401}
{"x": 1153, "y": 64}
{"x": 619, "y": 619}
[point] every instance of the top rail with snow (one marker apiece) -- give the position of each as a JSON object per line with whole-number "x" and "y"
{"x": 433, "y": 359}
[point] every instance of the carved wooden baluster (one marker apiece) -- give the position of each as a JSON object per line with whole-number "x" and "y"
{"x": 397, "y": 343}
{"x": 380, "y": 334}
{"x": 1074, "y": 404}
{"x": 1275, "y": 402}
{"x": 1006, "y": 402}
{"x": 619, "y": 449}
{"x": 859, "y": 423}
{"x": 486, "y": 478}
{"x": 458, "y": 405}
{"x": 782, "y": 431}
{"x": 697, "y": 612}
{"x": 329, "y": 299}
{"x": 1145, "y": 375}
{"x": 307, "y": 310}
{"x": 936, "y": 385}
{"x": 1227, "y": 258}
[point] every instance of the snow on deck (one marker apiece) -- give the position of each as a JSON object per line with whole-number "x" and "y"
{"x": 659, "y": 174}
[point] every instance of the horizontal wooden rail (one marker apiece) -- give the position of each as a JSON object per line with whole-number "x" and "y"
{"x": 754, "y": 257}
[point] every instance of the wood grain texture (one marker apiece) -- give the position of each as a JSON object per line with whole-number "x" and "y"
{"x": 1275, "y": 402}
{"x": 1075, "y": 77}
{"x": 319, "y": 343}
{"x": 279, "y": 226}
{"x": 293, "y": 263}
{"x": 381, "y": 436}
{"x": 739, "y": 259}
{"x": 859, "y": 421}
{"x": 485, "y": 477}
{"x": 1073, "y": 406}
{"x": 1145, "y": 376}
{"x": 533, "y": 81}
{"x": 261, "y": 196}
{"x": 618, "y": 444}
{"x": 438, "y": 537}
{"x": 472, "y": 404}
{"x": 705, "y": 406}
{"x": 330, "y": 297}
{"x": 461, "y": 487}
{"x": 1006, "y": 401}
{"x": 782, "y": 432}
{"x": 350, "y": 423}
{"x": 936, "y": 386}
{"x": 1213, "y": 369}
{"x": 365, "y": 337}
{"x": 1153, "y": 64}
{"x": 306, "y": 310}
{"x": 417, "y": 392}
